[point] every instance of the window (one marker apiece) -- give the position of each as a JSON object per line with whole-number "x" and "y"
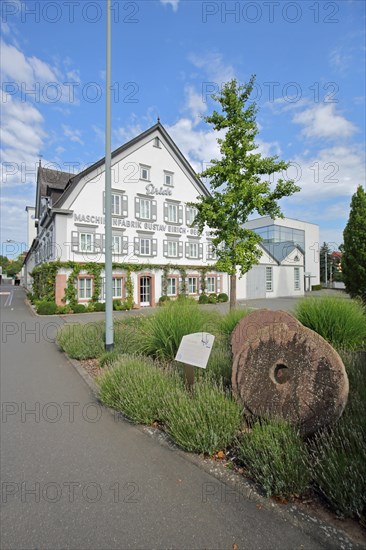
{"x": 172, "y": 249}
{"x": 157, "y": 142}
{"x": 145, "y": 247}
{"x": 191, "y": 213}
{"x": 116, "y": 205}
{"x": 172, "y": 286}
{"x": 168, "y": 178}
{"x": 117, "y": 287}
{"x": 86, "y": 242}
{"x": 297, "y": 278}
{"x": 116, "y": 244}
{"x": 85, "y": 288}
{"x": 144, "y": 172}
{"x": 193, "y": 250}
{"x": 172, "y": 213}
{"x": 193, "y": 285}
{"x": 269, "y": 279}
{"x": 211, "y": 252}
{"x": 145, "y": 209}
{"x": 211, "y": 284}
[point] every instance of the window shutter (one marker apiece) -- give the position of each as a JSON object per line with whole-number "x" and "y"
{"x": 218, "y": 281}
{"x": 187, "y": 218}
{"x": 103, "y": 244}
{"x": 136, "y": 242}
{"x": 200, "y": 255}
{"x": 180, "y": 249}
{"x": 154, "y": 210}
{"x": 124, "y": 245}
{"x": 97, "y": 243}
{"x": 187, "y": 250}
{"x": 137, "y": 208}
{"x": 154, "y": 247}
{"x": 209, "y": 252}
{"x": 124, "y": 205}
{"x": 165, "y": 212}
{"x": 75, "y": 241}
{"x": 180, "y": 214}
{"x": 165, "y": 248}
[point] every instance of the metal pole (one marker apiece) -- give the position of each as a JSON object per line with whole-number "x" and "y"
{"x": 109, "y": 343}
{"x": 326, "y": 268}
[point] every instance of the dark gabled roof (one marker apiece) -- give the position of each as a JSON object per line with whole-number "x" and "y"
{"x": 52, "y": 179}
{"x": 280, "y": 251}
{"x": 72, "y": 183}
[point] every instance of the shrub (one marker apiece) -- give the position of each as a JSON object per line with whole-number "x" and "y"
{"x": 82, "y": 341}
{"x": 108, "y": 358}
{"x": 219, "y": 366}
{"x": 164, "y": 331}
{"x": 163, "y": 300}
{"x": 316, "y": 287}
{"x": 99, "y": 306}
{"x": 117, "y": 304}
{"x": 338, "y": 465}
{"x": 342, "y": 322}
{"x": 212, "y": 299}
{"x": 231, "y": 319}
{"x": 223, "y": 297}
{"x": 63, "y": 310}
{"x": 79, "y": 308}
{"x": 275, "y": 455}
{"x": 90, "y": 308}
{"x": 205, "y": 421}
{"x": 128, "y": 334}
{"x": 136, "y": 386}
{"x": 203, "y": 299}
{"x": 46, "y": 308}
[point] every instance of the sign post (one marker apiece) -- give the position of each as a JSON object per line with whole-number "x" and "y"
{"x": 194, "y": 351}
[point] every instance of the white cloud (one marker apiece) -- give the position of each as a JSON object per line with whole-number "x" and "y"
{"x": 173, "y": 3}
{"x": 194, "y": 103}
{"x": 333, "y": 172}
{"x": 340, "y": 59}
{"x": 322, "y": 121}
{"x": 214, "y": 66}
{"x": 73, "y": 134}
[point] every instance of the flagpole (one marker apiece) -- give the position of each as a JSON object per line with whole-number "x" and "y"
{"x": 109, "y": 340}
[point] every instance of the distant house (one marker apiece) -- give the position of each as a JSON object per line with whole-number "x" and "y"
{"x": 156, "y": 248}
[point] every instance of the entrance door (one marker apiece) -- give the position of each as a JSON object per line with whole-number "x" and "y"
{"x": 256, "y": 282}
{"x": 145, "y": 291}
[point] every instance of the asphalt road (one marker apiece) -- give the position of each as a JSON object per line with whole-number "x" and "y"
{"x": 75, "y": 478}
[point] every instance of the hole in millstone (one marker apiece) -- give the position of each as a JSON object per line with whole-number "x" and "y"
{"x": 281, "y": 373}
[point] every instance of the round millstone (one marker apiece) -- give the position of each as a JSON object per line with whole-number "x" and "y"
{"x": 248, "y": 326}
{"x": 291, "y": 373}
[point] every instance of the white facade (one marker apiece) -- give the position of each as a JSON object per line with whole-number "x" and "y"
{"x": 310, "y": 245}
{"x": 152, "y": 186}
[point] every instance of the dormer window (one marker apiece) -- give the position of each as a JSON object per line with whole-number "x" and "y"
{"x": 144, "y": 172}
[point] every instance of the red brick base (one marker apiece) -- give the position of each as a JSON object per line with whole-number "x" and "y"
{"x": 60, "y": 289}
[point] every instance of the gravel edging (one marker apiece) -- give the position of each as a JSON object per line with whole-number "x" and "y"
{"x": 324, "y": 533}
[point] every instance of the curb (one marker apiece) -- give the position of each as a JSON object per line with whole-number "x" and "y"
{"x": 324, "y": 533}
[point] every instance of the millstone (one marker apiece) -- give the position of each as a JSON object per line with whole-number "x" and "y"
{"x": 248, "y": 327}
{"x": 292, "y": 373}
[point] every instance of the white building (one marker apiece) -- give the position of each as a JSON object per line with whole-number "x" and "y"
{"x": 156, "y": 249}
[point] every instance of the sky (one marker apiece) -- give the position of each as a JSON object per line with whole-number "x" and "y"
{"x": 168, "y": 57}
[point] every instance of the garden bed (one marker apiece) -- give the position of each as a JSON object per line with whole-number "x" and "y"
{"x": 142, "y": 380}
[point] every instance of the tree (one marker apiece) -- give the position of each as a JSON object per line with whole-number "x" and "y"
{"x": 240, "y": 183}
{"x": 354, "y": 246}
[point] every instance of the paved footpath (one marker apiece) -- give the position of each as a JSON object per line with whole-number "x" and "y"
{"x": 75, "y": 478}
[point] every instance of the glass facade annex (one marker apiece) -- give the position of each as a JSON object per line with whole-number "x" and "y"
{"x": 273, "y": 234}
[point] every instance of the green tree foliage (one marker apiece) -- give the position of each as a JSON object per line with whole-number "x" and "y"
{"x": 240, "y": 183}
{"x": 325, "y": 260}
{"x": 354, "y": 246}
{"x": 11, "y": 267}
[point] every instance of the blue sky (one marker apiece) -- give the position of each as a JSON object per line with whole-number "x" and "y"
{"x": 168, "y": 55}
